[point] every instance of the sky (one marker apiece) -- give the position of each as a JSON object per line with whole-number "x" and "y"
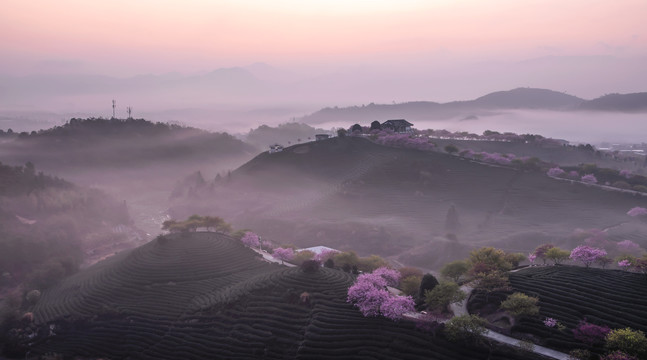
{"x": 126, "y": 38}
{"x": 305, "y": 54}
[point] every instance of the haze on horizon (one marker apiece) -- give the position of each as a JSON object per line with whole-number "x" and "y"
{"x": 299, "y": 56}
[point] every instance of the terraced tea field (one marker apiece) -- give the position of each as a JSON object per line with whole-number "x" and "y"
{"x": 202, "y": 295}
{"x": 569, "y": 294}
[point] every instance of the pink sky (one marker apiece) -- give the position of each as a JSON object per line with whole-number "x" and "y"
{"x": 125, "y": 38}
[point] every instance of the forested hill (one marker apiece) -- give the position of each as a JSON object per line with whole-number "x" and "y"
{"x": 97, "y": 141}
{"x": 46, "y": 223}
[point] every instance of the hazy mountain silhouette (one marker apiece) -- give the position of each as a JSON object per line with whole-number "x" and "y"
{"x": 517, "y": 99}
{"x": 636, "y": 102}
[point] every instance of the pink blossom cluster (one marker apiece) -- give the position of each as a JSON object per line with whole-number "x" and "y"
{"x": 492, "y": 158}
{"x": 637, "y": 211}
{"x": 586, "y": 254}
{"x": 556, "y": 171}
{"x": 589, "y": 179}
{"x": 370, "y": 295}
{"x": 404, "y": 141}
{"x": 590, "y": 333}
{"x": 624, "y": 264}
{"x": 283, "y": 254}
{"x": 324, "y": 255}
{"x": 626, "y": 173}
{"x": 532, "y": 257}
{"x": 628, "y": 247}
{"x": 550, "y": 322}
{"x": 573, "y": 174}
{"x": 250, "y": 239}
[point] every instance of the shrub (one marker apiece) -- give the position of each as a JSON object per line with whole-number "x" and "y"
{"x": 428, "y": 282}
{"x": 310, "y": 266}
{"x": 640, "y": 188}
{"x": 579, "y": 354}
{"x": 491, "y": 257}
{"x": 514, "y": 258}
{"x": 455, "y": 270}
{"x": 520, "y": 304}
{"x": 444, "y": 294}
{"x": 302, "y": 256}
{"x": 465, "y": 327}
{"x": 618, "y": 355}
{"x": 557, "y": 255}
{"x": 410, "y": 285}
{"x": 627, "y": 340}
{"x": 451, "y": 149}
{"x": 621, "y": 185}
{"x": 590, "y": 334}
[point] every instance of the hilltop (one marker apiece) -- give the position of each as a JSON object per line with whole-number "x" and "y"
{"x": 119, "y": 142}
{"x": 353, "y": 193}
{"x": 201, "y": 295}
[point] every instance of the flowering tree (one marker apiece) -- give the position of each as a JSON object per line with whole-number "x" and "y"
{"x": 550, "y": 322}
{"x": 589, "y": 179}
{"x": 626, "y": 173}
{"x": 394, "y": 307}
{"x": 573, "y": 174}
{"x": 637, "y": 211}
{"x": 624, "y": 264}
{"x": 250, "y": 239}
{"x": 532, "y": 257}
{"x": 556, "y": 171}
{"x": 541, "y": 250}
{"x": 586, "y": 254}
{"x": 629, "y": 247}
{"x": 325, "y": 255}
{"x": 283, "y": 254}
{"x": 391, "y": 276}
{"x": 370, "y": 296}
{"x": 590, "y": 334}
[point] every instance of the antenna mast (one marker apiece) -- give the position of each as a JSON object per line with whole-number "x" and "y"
{"x": 114, "y": 105}
{"x": 130, "y": 110}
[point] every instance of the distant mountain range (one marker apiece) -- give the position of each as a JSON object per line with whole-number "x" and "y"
{"x": 516, "y": 99}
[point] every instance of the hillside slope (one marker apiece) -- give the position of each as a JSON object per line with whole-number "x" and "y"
{"x": 202, "y": 295}
{"x": 354, "y": 194}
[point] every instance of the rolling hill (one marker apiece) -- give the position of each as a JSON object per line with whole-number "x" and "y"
{"x": 204, "y": 295}
{"x": 489, "y": 104}
{"x": 350, "y": 193}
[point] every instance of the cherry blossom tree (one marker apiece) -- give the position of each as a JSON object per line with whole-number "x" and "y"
{"x": 371, "y": 297}
{"x": 250, "y": 239}
{"x": 589, "y": 179}
{"x": 283, "y": 254}
{"x": 556, "y": 171}
{"x": 629, "y": 247}
{"x": 624, "y": 264}
{"x": 587, "y": 254}
{"x": 637, "y": 211}
{"x": 590, "y": 334}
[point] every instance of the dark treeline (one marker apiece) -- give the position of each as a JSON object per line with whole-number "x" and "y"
{"x": 117, "y": 142}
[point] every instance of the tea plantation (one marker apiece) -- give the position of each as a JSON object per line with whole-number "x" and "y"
{"x": 570, "y": 294}
{"x": 204, "y": 295}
